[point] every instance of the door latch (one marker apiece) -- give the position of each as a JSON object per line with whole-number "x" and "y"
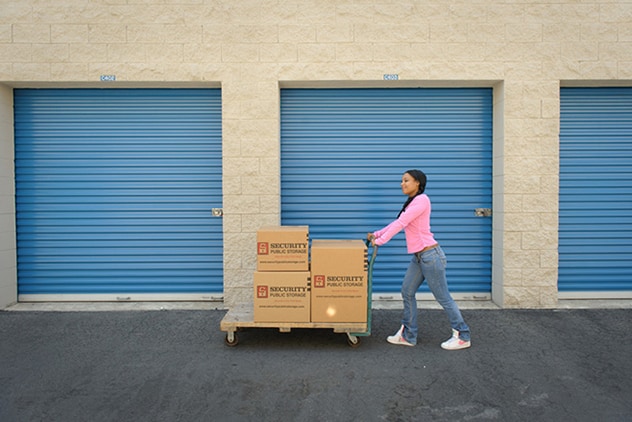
{"x": 483, "y": 212}
{"x": 217, "y": 212}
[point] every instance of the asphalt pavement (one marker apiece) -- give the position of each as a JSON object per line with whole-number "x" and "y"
{"x": 173, "y": 365}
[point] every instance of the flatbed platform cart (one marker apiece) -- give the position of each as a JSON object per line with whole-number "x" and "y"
{"x": 242, "y": 317}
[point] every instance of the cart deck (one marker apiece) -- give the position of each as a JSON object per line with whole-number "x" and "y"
{"x": 242, "y": 316}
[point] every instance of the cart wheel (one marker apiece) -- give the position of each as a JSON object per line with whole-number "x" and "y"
{"x": 231, "y": 339}
{"x": 353, "y": 341}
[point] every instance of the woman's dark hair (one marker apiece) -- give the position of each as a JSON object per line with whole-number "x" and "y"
{"x": 419, "y": 176}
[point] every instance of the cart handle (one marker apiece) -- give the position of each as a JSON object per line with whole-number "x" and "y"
{"x": 369, "y": 291}
{"x": 374, "y": 254}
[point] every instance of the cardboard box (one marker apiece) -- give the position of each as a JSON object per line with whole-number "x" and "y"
{"x": 339, "y": 281}
{"x": 282, "y": 296}
{"x": 283, "y": 248}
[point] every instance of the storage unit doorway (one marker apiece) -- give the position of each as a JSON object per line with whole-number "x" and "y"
{"x": 343, "y": 153}
{"x": 595, "y": 223}
{"x": 114, "y": 192}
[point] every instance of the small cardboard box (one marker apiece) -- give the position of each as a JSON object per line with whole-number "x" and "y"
{"x": 283, "y": 248}
{"x": 339, "y": 281}
{"x": 282, "y": 296}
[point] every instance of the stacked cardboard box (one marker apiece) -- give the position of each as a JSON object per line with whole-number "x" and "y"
{"x": 282, "y": 296}
{"x": 282, "y": 279}
{"x": 339, "y": 281}
{"x": 283, "y": 248}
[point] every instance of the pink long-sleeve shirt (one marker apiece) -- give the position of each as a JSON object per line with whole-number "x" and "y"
{"x": 415, "y": 221}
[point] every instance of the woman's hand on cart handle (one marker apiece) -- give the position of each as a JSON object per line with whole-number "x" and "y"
{"x": 371, "y": 238}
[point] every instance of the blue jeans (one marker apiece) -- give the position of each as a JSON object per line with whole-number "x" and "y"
{"x": 430, "y": 267}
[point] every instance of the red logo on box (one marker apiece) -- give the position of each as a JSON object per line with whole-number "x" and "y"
{"x": 319, "y": 281}
{"x": 262, "y": 248}
{"x": 262, "y": 292}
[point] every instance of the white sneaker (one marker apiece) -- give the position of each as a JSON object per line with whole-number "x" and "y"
{"x": 455, "y": 343}
{"x": 397, "y": 338}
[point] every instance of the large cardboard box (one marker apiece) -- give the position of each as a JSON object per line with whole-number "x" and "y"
{"x": 282, "y": 296}
{"x": 283, "y": 248}
{"x": 339, "y": 281}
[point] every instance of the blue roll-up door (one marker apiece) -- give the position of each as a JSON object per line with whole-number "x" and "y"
{"x": 595, "y": 223}
{"x": 343, "y": 153}
{"x": 114, "y": 191}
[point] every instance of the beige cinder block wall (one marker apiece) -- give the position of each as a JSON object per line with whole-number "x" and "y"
{"x": 525, "y": 51}
{"x": 8, "y": 285}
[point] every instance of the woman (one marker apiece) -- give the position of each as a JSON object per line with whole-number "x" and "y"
{"x": 428, "y": 263}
